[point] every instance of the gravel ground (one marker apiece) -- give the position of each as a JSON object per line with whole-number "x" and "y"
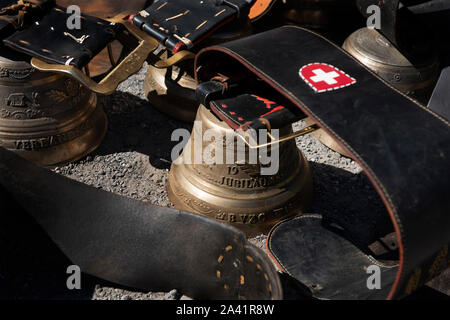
{"x": 134, "y": 161}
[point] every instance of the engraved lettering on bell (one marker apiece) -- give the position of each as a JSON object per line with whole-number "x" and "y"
{"x": 16, "y": 100}
{"x": 18, "y": 74}
{"x": 65, "y": 119}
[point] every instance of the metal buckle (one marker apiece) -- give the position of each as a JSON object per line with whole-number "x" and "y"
{"x": 176, "y": 58}
{"x": 127, "y": 67}
{"x": 252, "y": 143}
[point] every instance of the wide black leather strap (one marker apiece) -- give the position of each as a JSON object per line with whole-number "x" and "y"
{"x": 403, "y": 147}
{"x": 51, "y": 40}
{"x": 135, "y": 244}
{"x": 179, "y": 24}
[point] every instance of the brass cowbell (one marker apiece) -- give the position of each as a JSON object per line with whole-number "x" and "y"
{"x": 415, "y": 79}
{"x": 238, "y": 193}
{"x": 172, "y": 90}
{"x": 412, "y": 72}
{"x": 47, "y": 118}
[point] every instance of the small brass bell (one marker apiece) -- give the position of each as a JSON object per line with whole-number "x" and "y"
{"x": 377, "y": 53}
{"x": 415, "y": 79}
{"x": 47, "y": 118}
{"x": 238, "y": 193}
{"x": 398, "y": 49}
{"x": 172, "y": 90}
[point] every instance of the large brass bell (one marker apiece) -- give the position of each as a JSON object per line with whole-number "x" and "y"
{"x": 238, "y": 193}
{"x": 47, "y": 118}
{"x": 172, "y": 90}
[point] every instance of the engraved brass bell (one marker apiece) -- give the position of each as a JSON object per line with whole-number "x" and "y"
{"x": 414, "y": 78}
{"x": 172, "y": 90}
{"x": 238, "y": 193}
{"x": 399, "y": 51}
{"x": 47, "y": 118}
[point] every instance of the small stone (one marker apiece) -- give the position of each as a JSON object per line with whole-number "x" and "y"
{"x": 172, "y": 295}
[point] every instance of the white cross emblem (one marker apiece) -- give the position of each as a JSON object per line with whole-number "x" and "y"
{"x": 328, "y": 77}
{"x": 323, "y": 77}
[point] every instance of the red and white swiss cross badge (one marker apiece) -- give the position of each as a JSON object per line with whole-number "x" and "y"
{"x": 322, "y": 77}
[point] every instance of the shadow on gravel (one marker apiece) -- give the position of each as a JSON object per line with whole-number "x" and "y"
{"x": 134, "y": 125}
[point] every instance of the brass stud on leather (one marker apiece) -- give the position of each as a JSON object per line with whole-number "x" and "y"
{"x": 47, "y": 118}
{"x": 238, "y": 193}
{"x": 172, "y": 90}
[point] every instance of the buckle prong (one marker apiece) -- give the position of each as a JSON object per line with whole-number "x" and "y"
{"x": 273, "y": 141}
